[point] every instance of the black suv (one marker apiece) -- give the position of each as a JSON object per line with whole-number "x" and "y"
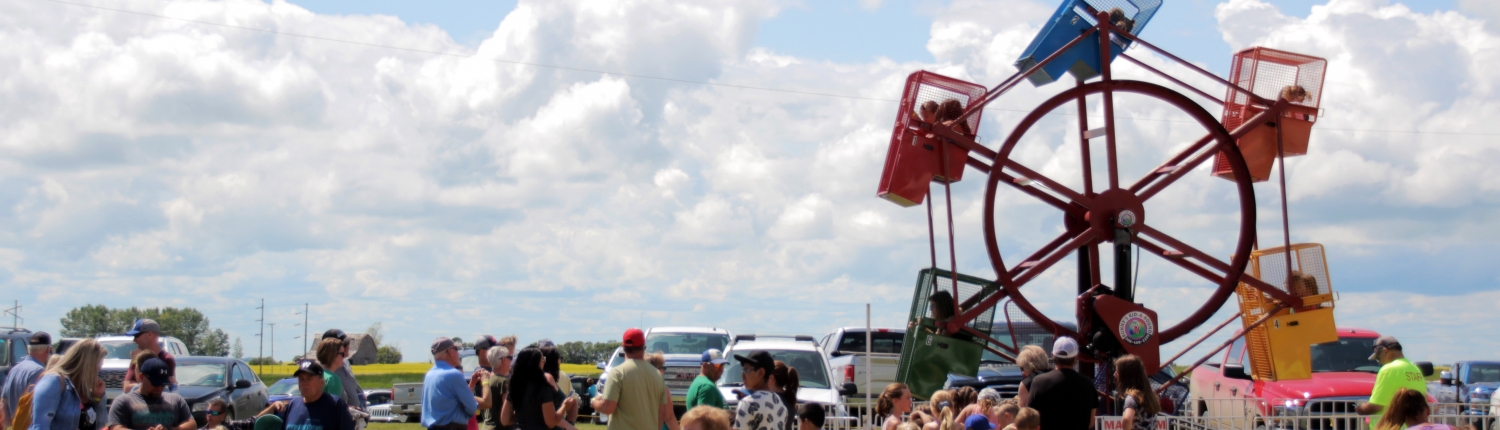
{"x": 12, "y": 348}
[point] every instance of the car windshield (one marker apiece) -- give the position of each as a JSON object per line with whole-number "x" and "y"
{"x": 685, "y": 343}
{"x": 120, "y": 349}
{"x": 200, "y": 374}
{"x": 1483, "y": 373}
{"x": 469, "y": 362}
{"x": 809, "y": 364}
{"x": 1025, "y": 333}
{"x": 287, "y": 387}
{"x": 883, "y": 342}
{"x": 619, "y": 358}
{"x": 1345, "y": 355}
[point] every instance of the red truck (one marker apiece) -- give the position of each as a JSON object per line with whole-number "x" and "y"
{"x": 1342, "y": 376}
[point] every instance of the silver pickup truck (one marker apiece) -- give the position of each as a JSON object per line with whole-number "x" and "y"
{"x": 845, "y": 349}
{"x": 406, "y": 398}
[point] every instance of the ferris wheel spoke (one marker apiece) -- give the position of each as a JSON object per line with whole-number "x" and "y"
{"x": 1031, "y": 268}
{"x": 1177, "y": 172}
{"x": 1049, "y": 199}
{"x": 1172, "y": 165}
{"x": 1175, "y": 257}
{"x": 1179, "y": 249}
{"x": 1026, "y": 174}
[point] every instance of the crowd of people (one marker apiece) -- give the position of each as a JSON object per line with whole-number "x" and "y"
{"x": 525, "y": 389}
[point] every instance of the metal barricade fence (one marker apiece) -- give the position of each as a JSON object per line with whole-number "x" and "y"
{"x": 1314, "y": 414}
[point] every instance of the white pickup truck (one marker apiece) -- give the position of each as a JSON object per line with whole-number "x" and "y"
{"x": 845, "y": 349}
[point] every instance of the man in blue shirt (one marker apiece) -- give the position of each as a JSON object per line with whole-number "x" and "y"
{"x": 23, "y": 374}
{"x": 447, "y": 401}
{"x": 315, "y": 410}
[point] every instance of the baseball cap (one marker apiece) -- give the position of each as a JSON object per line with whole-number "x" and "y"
{"x": 1388, "y": 342}
{"x": 977, "y": 422}
{"x": 759, "y": 359}
{"x": 334, "y": 333}
{"x": 309, "y": 367}
{"x": 144, "y": 325}
{"x": 485, "y": 342}
{"x": 713, "y": 356}
{"x": 634, "y": 338}
{"x": 441, "y": 345}
{"x": 156, "y": 371}
{"x": 1065, "y": 347}
{"x": 40, "y": 338}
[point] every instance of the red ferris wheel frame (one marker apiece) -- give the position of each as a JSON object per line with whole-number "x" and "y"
{"x": 1097, "y": 217}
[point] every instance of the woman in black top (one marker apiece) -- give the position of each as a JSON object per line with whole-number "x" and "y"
{"x": 531, "y": 403}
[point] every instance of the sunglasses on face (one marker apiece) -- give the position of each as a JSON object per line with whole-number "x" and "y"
{"x": 215, "y": 413}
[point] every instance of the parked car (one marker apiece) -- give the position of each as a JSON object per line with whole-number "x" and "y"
{"x": 683, "y": 349}
{"x": 581, "y": 386}
{"x": 117, "y": 360}
{"x": 1001, "y": 373}
{"x": 1467, "y": 383}
{"x": 382, "y": 413}
{"x": 62, "y": 345}
{"x": 377, "y": 397}
{"x": 200, "y": 379}
{"x": 406, "y": 398}
{"x": 283, "y": 390}
{"x": 615, "y": 359}
{"x": 1342, "y": 376}
{"x": 799, "y": 352}
{"x": 845, "y": 350}
{"x": 12, "y": 348}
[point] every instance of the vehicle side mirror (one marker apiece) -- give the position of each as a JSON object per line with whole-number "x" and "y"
{"x": 1446, "y": 378}
{"x": 848, "y": 389}
{"x": 1426, "y": 367}
{"x": 241, "y": 384}
{"x": 836, "y": 354}
{"x": 600, "y": 366}
{"x": 1235, "y": 371}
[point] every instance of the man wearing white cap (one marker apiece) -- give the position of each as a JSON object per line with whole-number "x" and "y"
{"x": 1064, "y": 398}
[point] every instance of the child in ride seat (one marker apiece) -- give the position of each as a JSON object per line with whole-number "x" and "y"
{"x": 927, "y": 112}
{"x": 1294, "y": 93}
{"x": 1117, "y": 17}
{"x": 949, "y": 111}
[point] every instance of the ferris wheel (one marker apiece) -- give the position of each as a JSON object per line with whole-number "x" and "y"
{"x": 1269, "y": 105}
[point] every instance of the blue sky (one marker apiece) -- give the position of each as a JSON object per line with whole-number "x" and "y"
{"x": 212, "y": 166}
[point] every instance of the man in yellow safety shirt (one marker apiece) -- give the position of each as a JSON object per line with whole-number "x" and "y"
{"x": 1395, "y": 373}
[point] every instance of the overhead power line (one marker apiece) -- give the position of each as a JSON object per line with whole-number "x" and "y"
{"x": 660, "y": 78}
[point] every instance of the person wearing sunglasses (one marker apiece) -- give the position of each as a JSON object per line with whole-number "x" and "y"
{"x": 218, "y": 417}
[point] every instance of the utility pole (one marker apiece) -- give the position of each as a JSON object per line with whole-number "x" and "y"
{"x": 262, "y": 336}
{"x": 304, "y": 328}
{"x": 15, "y": 315}
{"x": 273, "y": 339}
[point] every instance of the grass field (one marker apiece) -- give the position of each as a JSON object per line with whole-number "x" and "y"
{"x": 376, "y": 376}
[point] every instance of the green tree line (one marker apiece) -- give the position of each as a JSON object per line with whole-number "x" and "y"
{"x": 186, "y": 324}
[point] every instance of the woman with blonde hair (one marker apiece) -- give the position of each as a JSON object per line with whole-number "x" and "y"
{"x": 63, "y": 389}
{"x": 894, "y": 402}
{"x": 1033, "y": 361}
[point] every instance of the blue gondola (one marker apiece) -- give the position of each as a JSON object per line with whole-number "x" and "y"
{"x": 1071, "y": 19}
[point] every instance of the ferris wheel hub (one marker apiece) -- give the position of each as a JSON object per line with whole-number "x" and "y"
{"x": 1116, "y": 208}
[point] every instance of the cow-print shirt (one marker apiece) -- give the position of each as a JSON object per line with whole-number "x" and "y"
{"x": 761, "y": 410}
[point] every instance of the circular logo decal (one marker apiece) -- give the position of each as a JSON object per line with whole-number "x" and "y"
{"x": 1126, "y": 218}
{"x": 1136, "y": 328}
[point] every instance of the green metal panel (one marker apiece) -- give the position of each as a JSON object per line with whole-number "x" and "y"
{"x": 926, "y": 357}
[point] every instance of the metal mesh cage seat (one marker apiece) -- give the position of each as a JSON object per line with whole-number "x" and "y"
{"x": 927, "y": 358}
{"x": 1272, "y": 74}
{"x": 913, "y": 159}
{"x": 1279, "y": 349}
{"x": 1071, "y": 19}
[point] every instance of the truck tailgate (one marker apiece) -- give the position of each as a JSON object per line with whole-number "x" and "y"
{"x": 882, "y": 371}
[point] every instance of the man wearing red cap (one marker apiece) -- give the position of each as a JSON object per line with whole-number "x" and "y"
{"x": 634, "y": 394}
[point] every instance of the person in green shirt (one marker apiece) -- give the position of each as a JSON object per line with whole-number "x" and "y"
{"x": 1395, "y": 373}
{"x": 331, "y": 357}
{"x": 704, "y": 391}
